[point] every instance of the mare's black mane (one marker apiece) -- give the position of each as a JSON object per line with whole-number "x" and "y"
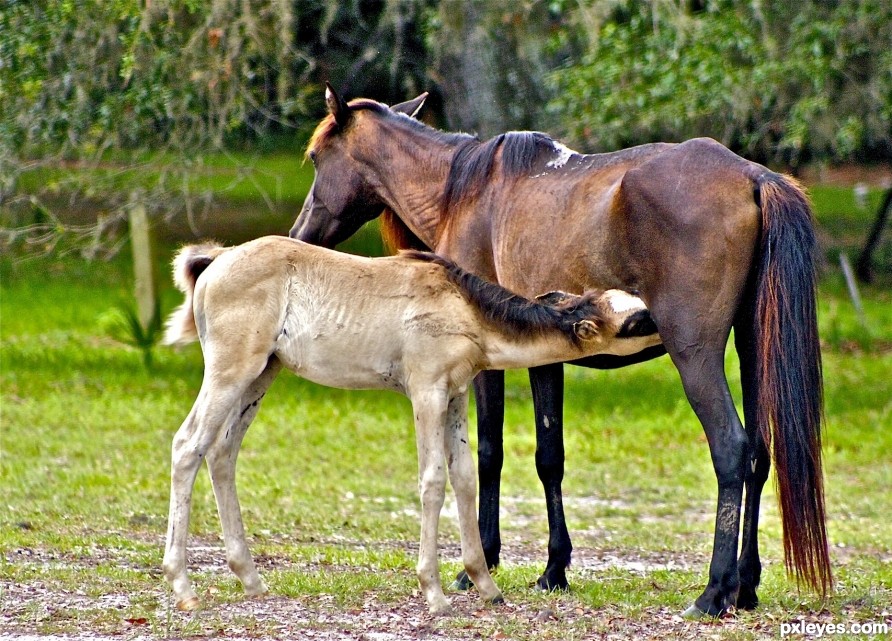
{"x": 472, "y": 164}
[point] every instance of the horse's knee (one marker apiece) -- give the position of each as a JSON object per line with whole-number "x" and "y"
{"x": 432, "y": 487}
{"x": 729, "y": 457}
{"x": 550, "y": 463}
{"x": 490, "y": 456}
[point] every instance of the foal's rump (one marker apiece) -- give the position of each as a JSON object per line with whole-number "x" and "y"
{"x": 188, "y": 264}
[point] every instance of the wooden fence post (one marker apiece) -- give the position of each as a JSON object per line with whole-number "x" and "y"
{"x": 142, "y": 262}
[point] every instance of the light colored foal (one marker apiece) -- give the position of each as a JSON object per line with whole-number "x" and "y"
{"x": 412, "y": 323}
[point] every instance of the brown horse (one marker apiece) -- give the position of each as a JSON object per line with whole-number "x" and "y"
{"x": 711, "y": 242}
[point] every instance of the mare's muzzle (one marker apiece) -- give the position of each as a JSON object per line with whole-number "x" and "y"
{"x": 316, "y": 225}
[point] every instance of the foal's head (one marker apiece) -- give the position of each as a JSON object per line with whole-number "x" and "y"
{"x": 343, "y": 195}
{"x": 600, "y": 315}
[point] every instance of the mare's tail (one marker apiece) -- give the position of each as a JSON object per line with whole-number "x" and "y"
{"x": 188, "y": 264}
{"x": 790, "y": 392}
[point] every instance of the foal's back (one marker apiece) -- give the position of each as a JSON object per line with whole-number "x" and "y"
{"x": 337, "y": 319}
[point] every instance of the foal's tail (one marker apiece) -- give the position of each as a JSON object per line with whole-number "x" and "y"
{"x": 188, "y": 264}
{"x": 790, "y": 396}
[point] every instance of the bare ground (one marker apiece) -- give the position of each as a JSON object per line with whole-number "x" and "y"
{"x": 33, "y": 609}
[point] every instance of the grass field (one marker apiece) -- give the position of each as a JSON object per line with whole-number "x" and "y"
{"x": 327, "y": 486}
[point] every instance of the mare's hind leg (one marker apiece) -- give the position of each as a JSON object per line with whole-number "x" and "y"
{"x": 703, "y": 377}
{"x": 464, "y": 484}
{"x": 221, "y": 464}
{"x": 489, "y": 393}
{"x": 757, "y": 467}
{"x": 547, "y": 383}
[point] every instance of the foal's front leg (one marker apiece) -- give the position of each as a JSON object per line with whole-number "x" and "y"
{"x": 464, "y": 483}
{"x": 430, "y": 417}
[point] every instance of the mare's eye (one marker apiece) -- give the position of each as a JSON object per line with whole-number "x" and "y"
{"x": 313, "y": 157}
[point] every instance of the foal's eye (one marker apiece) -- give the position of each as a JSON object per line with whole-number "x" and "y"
{"x": 313, "y": 157}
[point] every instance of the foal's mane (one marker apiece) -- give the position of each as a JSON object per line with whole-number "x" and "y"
{"x": 510, "y": 311}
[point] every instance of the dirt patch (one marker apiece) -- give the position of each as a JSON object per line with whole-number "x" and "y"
{"x": 42, "y": 609}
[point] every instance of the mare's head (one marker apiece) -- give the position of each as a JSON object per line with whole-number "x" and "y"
{"x": 343, "y": 196}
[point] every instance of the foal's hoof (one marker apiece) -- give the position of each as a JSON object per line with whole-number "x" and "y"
{"x": 496, "y": 600}
{"x": 441, "y": 610}
{"x": 188, "y": 605}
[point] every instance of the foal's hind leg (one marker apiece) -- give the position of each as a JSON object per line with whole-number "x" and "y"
{"x": 464, "y": 484}
{"x": 214, "y": 408}
{"x": 489, "y": 393}
{"x": 221, "y": 464}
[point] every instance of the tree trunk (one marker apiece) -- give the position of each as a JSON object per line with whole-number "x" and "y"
{"x": 862, "y": 267}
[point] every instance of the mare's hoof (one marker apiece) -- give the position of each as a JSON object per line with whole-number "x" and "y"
{"x": 462, "y": 582}
{"x": 552, "y": 585}
{"x": 747, "y": 599}
{"x": 188, "y": 605}
{"x": 693, "y": 613}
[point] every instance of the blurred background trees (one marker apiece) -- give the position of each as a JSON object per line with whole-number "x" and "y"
{"x": 145, "y": 93}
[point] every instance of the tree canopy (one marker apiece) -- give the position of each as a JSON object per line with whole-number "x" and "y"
{"x": 101, "y": 81}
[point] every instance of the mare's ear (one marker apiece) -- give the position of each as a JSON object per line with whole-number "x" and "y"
{"x": 554, "y": 298}
{"x": 411, "y": 107}
{"x": 586, "y": 329}
{"x": 336, "y": 106}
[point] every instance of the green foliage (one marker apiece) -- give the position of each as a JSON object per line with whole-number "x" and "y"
{"x": 782, "y": 82}
{"x": 123, "y": 325}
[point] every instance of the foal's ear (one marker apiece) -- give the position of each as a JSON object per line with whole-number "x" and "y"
{"x": 586, "y": 329}
{"x": 411, "y": 107}
{"x": 336, "y": 106}
{"x": 554, "y": 298}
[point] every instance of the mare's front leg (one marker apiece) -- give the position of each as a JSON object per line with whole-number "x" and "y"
{"x": 221, "y": 464}
{"x": 429, "y": 406}
{"x": 547, "y": 383}
{"x": 214, "y": 408}
{"x": 464, "y": 484}
{"x": 489, "y": 393}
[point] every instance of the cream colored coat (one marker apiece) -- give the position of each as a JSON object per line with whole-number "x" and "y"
{"x": 395, "y": 323}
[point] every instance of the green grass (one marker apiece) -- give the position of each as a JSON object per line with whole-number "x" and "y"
{"x": 239, "y": 177}
{"x": 327, "y": 485}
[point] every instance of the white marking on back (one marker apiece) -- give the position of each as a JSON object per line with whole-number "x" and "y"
{"x": 563, "y": 155}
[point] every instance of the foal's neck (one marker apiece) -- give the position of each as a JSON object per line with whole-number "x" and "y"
{"x": 504, "y": 351}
